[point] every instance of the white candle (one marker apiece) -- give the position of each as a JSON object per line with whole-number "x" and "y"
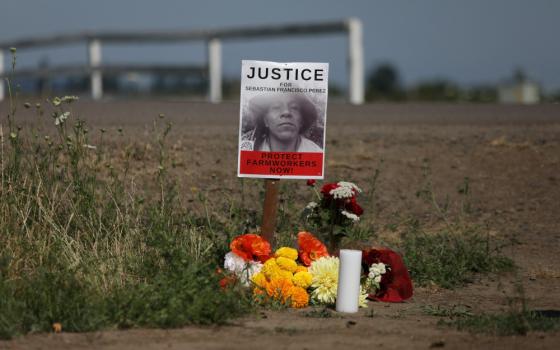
{"x": 349, "y": 271}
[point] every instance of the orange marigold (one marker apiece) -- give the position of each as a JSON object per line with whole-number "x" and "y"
{"x": 279, "y": 288}
{"x": 259, "y": 295}
{"x": 310, "y": 248}
{"x": 251, "y": 247}
{"x": 298, "y": 297}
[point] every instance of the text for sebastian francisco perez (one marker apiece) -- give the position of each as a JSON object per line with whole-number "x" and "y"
{"x": 281, "y": 163}
{"x": 285, "y": 87}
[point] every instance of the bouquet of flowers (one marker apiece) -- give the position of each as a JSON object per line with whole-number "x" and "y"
{"x": 337, "y": 209}
{"x": 309, "y": 275}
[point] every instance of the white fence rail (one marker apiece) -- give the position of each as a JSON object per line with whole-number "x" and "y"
{"x": 351, "y": 27}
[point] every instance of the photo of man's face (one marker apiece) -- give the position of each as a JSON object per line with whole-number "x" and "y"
{"x": 284, "y": 119}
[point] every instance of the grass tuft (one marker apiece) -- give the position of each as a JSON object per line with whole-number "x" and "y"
{"x": 450, "y": 258}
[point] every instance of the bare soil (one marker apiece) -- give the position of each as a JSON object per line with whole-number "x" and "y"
{"x": 511, "y": 155}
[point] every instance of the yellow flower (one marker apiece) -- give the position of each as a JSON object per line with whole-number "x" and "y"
{"x": 300, "y": 268}
{"x": 285, "y": 274}
{"x": 325, "y": 279}
{"x": 298, "y": 297}
{"x": 286, "y": 264}
{"x": 270, "y": 269}
{"x": 302, "y": 279}
{"x": 362, "y": 302}
{"x": 259, "y": 279}
{"x": 287, "y": 252}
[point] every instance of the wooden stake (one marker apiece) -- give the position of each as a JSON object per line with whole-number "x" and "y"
{"x": 270, "y": 209}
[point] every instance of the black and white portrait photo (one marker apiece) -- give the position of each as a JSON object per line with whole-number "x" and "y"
{"x": 283, "y": 122}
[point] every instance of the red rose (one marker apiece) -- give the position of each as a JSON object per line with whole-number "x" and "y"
{"x": 395, "y": 285}
{"x": 354, "y": 207}
{"x": 311, "y": 182}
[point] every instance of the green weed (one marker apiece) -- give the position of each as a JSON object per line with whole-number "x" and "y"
{"x": 453, "y": 250}
{"x": 509, "y": 323}
{"x": 85, "y": 246}
{"x": 450, "y": 258}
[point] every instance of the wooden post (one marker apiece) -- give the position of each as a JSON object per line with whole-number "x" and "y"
{"x": 270, "y": 210}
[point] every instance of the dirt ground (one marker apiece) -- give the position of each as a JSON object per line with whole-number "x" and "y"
{"x": 511, "y": 155}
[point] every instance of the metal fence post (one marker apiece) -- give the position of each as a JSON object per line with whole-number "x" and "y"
{"x": 1, "y": 74}
{"x": 215, "y": 70}
{"x": 355, "y": 61}
{"x": 94, "y": 58}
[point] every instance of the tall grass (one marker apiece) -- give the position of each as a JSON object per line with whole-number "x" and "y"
{"x": 84, "y": 245}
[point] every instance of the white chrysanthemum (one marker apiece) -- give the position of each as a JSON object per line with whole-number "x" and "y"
{"x": 351, "y": 216}
{"x": 324, "y": 283}
{"x": 311, "y": 205}
{"x": 373, "y": 280}
{"x": 242, "y": 269}
{"x": 377, "y": 270}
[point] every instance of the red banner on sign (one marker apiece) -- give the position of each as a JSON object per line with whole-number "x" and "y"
{"x": 281, "y": 163}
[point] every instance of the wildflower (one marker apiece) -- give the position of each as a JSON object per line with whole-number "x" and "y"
{"x": 310, "y": 248}
{"x": 69, "y": 99}
{"x": 311, "y": 205}
{"x": 302, "y": 279}
{"x": 298, "y": 297}
{"x": 61, "y": 118}
{"x": 287, "y": 252}
{"x": 325, "y": 279}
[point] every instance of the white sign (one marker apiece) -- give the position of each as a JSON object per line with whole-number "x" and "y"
{"x": 282, "y": 120}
